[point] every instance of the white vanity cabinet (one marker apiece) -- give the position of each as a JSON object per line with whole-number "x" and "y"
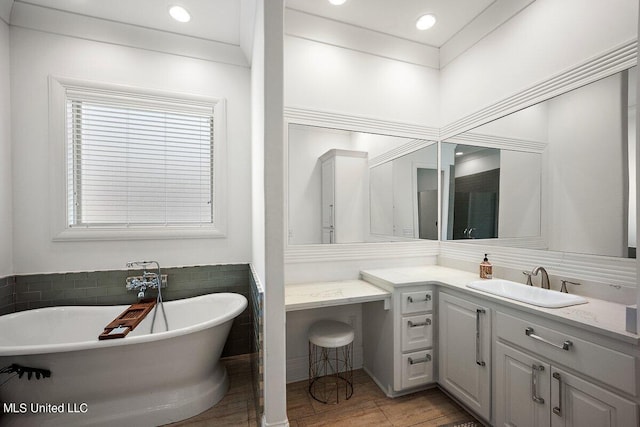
{"x": 546, "y": 377}
{"x": 511, "y": 363}
{"x": 416, "y": 332}
{"x": 398, "y": 343}
{"x": 464, "y": 346}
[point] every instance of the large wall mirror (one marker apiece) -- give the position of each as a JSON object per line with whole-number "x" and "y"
{"x": 559, "y": 175}
{"x": 356, "y": 187}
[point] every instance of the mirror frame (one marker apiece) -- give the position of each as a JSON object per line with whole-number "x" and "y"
{"x": 618, "y": 273}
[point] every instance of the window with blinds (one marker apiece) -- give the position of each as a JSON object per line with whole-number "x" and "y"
{"x": 138, "y": 162}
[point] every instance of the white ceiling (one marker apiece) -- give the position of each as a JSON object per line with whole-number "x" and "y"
{"x": 220, "y": 20}
{"x": 398, "y": 17}
{"x": 217, "y": 20}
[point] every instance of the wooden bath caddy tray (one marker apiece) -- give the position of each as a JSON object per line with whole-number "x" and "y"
{"x": 127, "y": 320}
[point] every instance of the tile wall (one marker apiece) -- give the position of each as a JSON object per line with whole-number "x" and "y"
{"x": 256, "y": 303}
{"x": 108, "y": 288}
{"x": 7, "y": 295}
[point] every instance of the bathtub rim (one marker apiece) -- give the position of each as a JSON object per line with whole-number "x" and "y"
{"x": 27, "y": 350}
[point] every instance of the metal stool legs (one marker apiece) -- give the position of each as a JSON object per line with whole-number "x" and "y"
{"x": 330, "y": 373}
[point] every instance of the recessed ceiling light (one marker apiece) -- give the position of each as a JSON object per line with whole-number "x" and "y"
{"x": 179, "y": 13}
{"x": 337, "y": 2}
{"x": 425, "y": 22}
{"x": 459, "y": 153}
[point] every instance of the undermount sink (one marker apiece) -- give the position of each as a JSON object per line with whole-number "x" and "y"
{"x": 524, "y": 293}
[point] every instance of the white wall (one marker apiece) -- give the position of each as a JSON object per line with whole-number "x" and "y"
{"x": 328, "y": 78}
{"x": 257, "y": 144}
{"x": 36, "y": 55}
{"x": 6, "y": 230}
{"x": 544, "y": 39}
{"x": 585, "y": 179}
{"x": 344, "y": 79}
{"x": 271, "y": 12}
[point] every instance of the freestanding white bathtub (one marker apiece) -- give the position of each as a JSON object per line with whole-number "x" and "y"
{"x": 142, "y": 379}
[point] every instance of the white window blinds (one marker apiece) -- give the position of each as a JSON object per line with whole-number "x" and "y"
{"x": 138, "y": 161}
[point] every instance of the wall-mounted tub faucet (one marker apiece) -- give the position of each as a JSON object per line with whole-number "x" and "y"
{"x": 148, "y": 280}
{"x": 545, "y": 277}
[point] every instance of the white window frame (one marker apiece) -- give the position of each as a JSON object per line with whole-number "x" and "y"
{"x": 61, "y": 231}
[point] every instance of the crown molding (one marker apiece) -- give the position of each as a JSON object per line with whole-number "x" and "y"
{"x": 494, "y": 141}
{"x": 603, "y": 65}
{"x": 495, "y": 15}
{"x": 355, "y": 123}
{"x": 33, "y": 17}
{"x": 403, "y": 150}
{"x": 319, "y": 29}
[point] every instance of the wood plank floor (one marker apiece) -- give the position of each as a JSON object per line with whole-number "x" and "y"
{"x": 370, "y": 407}
{"x": 367, "y": 407}
{"x": 236, "y": 409}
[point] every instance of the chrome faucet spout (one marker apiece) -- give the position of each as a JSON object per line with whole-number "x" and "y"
{"x": 545, "y": 276}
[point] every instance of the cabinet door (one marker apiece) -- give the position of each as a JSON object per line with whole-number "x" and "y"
{"x": 579, "y": 403}
{"x": 521, "y": 389}
{"x": 464, "y": 345}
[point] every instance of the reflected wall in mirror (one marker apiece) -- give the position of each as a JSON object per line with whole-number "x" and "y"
{"x": 490, "y": 193}
{"x": 355, "y": 187}
{"x": 577, "y": 196}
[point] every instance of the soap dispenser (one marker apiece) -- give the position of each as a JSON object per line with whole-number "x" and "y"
{"x": 486, "y": 269}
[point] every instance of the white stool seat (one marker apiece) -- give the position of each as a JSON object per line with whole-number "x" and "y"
{"x": 331, "y": 334}
{"x": 330, "y": 361}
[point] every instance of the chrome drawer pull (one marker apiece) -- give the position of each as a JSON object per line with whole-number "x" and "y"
{"x": 558, "y": 409}
{"x": 427, "y": 322}
{"x": 479, "y": 362}
{"x": 426, "y": 298}
{"x": 564, "y": 346}
{"x": 534, "y": 383}
{"x": 426, "y": 358}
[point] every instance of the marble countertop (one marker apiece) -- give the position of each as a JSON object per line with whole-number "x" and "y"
{"x": 599, "y": 316}
{"x": 323, "y": 294}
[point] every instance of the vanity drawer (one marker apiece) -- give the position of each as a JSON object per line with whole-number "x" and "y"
{"x": 415, "y": 302}
{"x": 417, "y": 332}
{"x": 586, "y": 357}
{"x": 417, "y": 368}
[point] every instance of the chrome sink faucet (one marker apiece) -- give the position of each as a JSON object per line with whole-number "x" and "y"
{"x": 544, "y": 284}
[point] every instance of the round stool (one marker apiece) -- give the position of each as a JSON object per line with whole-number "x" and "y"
{"x": 330, "y": 361}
